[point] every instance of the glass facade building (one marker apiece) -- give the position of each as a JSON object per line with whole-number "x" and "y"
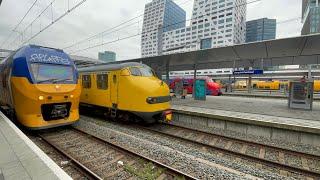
{"x": 310, "y": 17}
{"x": 160, "y": 16}
{"x": 174, "y": 17}
{"x": 261, "y": 29}
{"x": 107, "y": 56}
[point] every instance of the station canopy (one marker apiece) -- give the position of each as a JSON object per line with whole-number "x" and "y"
{"x": 301, "y": 50}
{"x": 82, "y": 61}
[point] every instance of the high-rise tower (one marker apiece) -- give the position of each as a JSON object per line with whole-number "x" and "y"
{"x": 310, "y": 17}
{"x": 159, "y": 16}
{"x": 261, "y": 29}
{"x": 214, "y": 23}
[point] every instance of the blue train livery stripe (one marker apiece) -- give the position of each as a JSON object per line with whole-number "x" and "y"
{"x": 36, "y": 54}
{"x": 20, "y": 69}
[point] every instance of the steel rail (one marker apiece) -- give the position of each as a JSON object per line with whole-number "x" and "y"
{"x": 238, "y": 154}
{"x": 79, "y": 165}
{"x": 128, "y": 151}
{"x": 298, "y": 153}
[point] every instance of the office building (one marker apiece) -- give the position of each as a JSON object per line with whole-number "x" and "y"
{"x": 214, "y": 23}
{"x": 261, "y": 29}
{"x": 310, "y": 17}
{"x": 107, "y": 56}
{"x": 159, "y": 16}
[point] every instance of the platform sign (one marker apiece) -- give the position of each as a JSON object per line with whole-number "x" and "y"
{"x": 243, "y": 72}
{"x": 200, "y": 89}
{"x": 300, "y": 95}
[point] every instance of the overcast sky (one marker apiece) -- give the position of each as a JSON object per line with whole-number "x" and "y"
{"x": 95, "y": 16}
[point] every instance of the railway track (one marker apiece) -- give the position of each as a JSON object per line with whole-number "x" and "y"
{"x": 100, "y": 159}
{"x": 285, "y": 160}
{"x": 71, "y": 166}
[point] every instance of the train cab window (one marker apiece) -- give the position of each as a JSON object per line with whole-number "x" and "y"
{"x": 86, "y": 81}
{"x": 147, "y": 72}
{"x": 102, "y": 81}
{"x": 51, "y": 73}
{"x": 142, "y": 71}
{"x": 135, "y": 71}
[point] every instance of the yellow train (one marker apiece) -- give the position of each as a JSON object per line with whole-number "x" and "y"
{"x": 271, "y": 85}
{"x": 268, "y": 85}
{"x": 240, "y": 85}
{"x": 39, "y": 87}
{"x": 317, "y": 85}
{"x": 126, "y": 91}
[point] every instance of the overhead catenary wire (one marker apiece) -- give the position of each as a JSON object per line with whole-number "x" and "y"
{"x": 131, "y": 36}
{"x": 101, "y": 33}
{"x": 17, "y": 25}
{"x": 34, "y": 20}
{"x": 112, "y": 28}
{"x": 289, "y": 20}
{"x": 153, "y": 30}
{"x": 54, "y": 21}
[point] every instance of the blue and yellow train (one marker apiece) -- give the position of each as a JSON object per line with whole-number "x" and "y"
{"x": 128, "y": 91}
{"x": 39, "y": 87}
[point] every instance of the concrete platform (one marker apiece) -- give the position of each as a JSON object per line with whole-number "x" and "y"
{"x": 264, "y": 94}
{"x": 269, "y": 118}
{"x": 20, "y": 158}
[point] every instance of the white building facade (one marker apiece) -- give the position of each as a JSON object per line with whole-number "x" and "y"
{"x": 214, "y": 23}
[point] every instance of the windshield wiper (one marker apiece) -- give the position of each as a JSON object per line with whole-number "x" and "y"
{"x": 51, "y": 80}
{"x": 58, "y": 80}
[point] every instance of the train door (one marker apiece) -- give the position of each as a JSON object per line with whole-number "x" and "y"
{"x": 86, "y": 81}
{"x": 114, "y": 77}
{"x": 102, "y": 94}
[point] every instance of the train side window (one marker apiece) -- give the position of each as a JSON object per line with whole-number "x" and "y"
{"x": 114, "y": 79}
{"x": 102, "y": 81}
{"x": 4, "y": 82}
{"x": 86, "y": 81}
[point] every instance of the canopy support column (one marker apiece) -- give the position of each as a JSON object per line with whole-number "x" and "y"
{"x": 167, "y": 73}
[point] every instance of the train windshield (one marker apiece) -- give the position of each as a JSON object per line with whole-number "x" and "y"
{"x": 142, "y": 71}
{"x": 49, "y": 73}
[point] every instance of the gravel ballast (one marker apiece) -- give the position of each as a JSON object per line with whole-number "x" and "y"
{"x": 199, "y": 162}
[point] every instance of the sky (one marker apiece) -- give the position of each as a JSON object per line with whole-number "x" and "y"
{"x": 95, "y": 16}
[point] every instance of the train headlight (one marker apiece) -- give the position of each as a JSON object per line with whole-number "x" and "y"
{"x": 41, "y": 98}
{"x": 159, "y": 99}
{"x": 151, "y": 100}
